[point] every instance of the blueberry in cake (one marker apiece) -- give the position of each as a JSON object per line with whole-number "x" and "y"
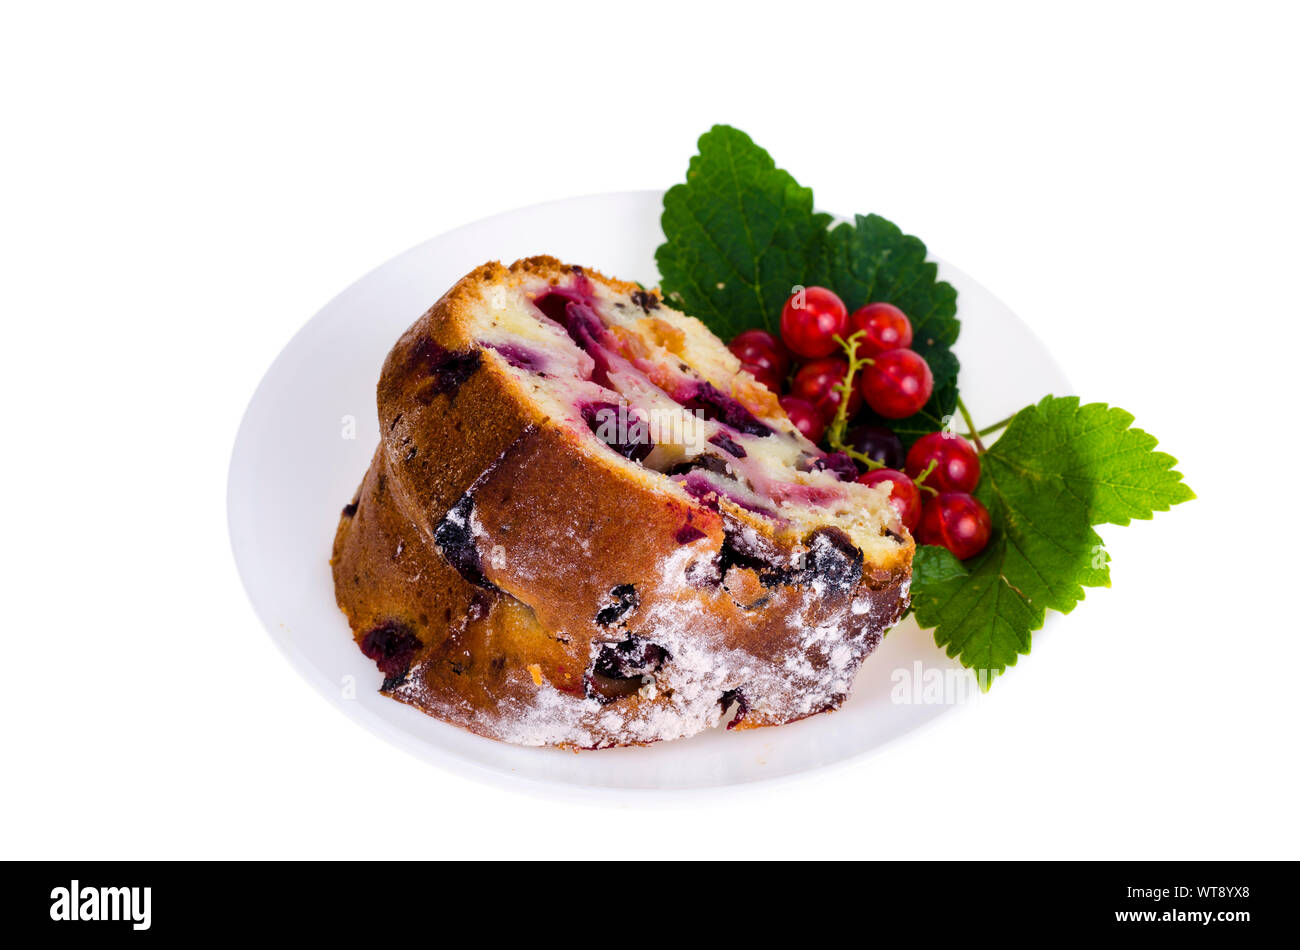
{"x": 586, "y": 526}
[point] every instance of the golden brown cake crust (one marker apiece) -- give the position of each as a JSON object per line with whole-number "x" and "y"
{"x": 493, "y": 558}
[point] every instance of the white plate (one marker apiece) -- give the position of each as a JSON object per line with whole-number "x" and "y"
{"x": 293, "y": 469}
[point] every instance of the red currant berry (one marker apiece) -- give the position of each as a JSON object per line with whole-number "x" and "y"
{"x": 956, "y": 521}
{"x": 810, "y": 321}
{"x": 903, "y": 494}
{"x": 816, "y": 382}
{"x": 877, "y": 443}
{"x": 763, "y": 355}
{"x": 805, "y": 417}
{"x": 957, "y": 464}
{"x": 886, "y": 328}
{"x": 897, "y": 384}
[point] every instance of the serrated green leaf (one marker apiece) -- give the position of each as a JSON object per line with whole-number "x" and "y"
{"x": 984, "y": 620}
{"x": 740, "y": 234}
{"x": 1109, "y": 467}
{"x": 933, "y": 565}
{"x": 1059, "y": 469}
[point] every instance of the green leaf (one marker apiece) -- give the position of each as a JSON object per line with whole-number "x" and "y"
{"x": 977, "y": 615}
{"x": 1110, "y": 468}
{"x": 740, "y": 234}
{"x": 1059, "y": 469}
{"x": 932, "y": 566}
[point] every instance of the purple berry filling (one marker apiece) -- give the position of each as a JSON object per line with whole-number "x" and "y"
{"x": 448, "y": 368}
{"x": 619, "y": 668}
{"x": 625, "y": 601}
{"x": 392, "y": 645}
{"x": 713, "y": 404}
{"x": 631, "y": 657}
{"x": 707, "y": 492}
{"x": 738, "y": 550}
{"x": 555, "y": 301}
{"x": 520, "y": 357}
{"x": 619, "y": 428}
{"x": 583, "y": 325}
{"x": 707, "y": 462}
{"x": 585, "y": 329}
{"x": 738, "y": 698}
{"x": 572, "y": 310}
{"x": 727, "y": 445}
{"x": 701, "y": 489}
{"x": 839, "y": 463}
{"x": 645, "y": 300}
{"x": 454, "y": 539}
{"x": 834, "y": 559}
{"x": 688, "y": 533}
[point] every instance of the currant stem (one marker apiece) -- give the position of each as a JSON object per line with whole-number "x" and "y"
{"x": 989, "y": 430}
{"x": 919, "y": 481}
{"x": 835, "y": 435}
{"x": 866, "y": 460}
{"x": 970, "y": 425}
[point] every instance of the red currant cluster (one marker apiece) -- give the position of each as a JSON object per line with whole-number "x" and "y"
{"x": 946, "y": 468}
{"x": 832, "y": 346}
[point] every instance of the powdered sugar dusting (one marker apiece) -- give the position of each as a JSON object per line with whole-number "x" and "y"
{"x": 685, "y": 696}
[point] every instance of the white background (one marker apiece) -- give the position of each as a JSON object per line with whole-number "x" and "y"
{"x": 183, "y": 185}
